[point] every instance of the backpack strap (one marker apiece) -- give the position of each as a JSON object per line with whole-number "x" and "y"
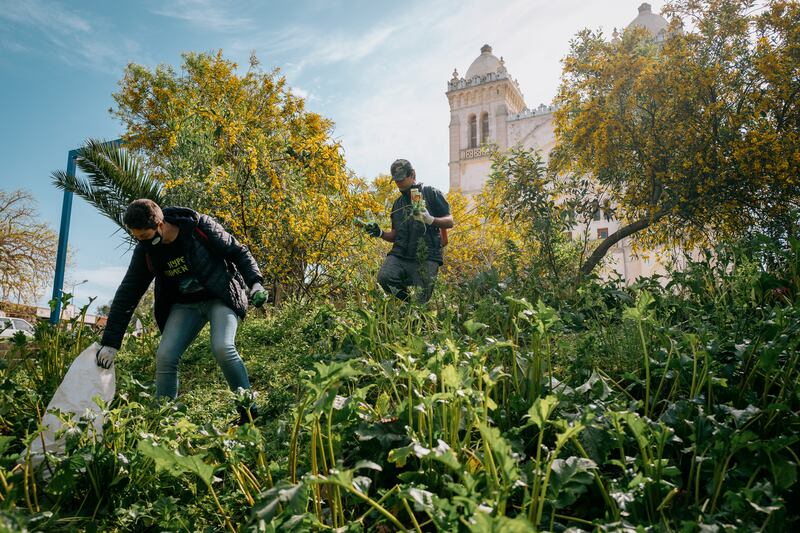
{"x": 201, "y": 233}
{"x": 427, "y": 195}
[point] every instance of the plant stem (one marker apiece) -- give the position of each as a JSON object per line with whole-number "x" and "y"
{"x": 411, "y": 514}
{"x": 221, "y": 510}
{"x": 646, "y": 357}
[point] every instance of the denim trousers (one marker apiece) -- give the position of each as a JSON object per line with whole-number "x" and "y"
{"x": 397, "y": 275}
{"x": 183, "y": 325}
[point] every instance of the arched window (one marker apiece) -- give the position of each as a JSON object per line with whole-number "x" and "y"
{"x": 473, "y": 131}
{"x": 484, "y": 127}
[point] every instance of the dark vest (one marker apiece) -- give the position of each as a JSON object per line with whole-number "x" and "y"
{"x": 412, "y": 234}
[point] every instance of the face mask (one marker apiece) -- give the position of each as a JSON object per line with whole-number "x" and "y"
{"x": 154, "y": 241}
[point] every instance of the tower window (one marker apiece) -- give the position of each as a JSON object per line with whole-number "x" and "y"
{"x": 484, "y": 127}
{"x": 473, "y": 131}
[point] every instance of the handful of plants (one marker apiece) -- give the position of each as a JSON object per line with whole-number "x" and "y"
{"x": 417, "y": 201}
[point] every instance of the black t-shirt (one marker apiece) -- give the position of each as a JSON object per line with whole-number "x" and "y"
{"x": 412, "y": 234}
{"x": 171, "y": 260}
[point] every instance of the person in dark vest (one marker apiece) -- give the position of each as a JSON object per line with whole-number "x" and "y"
{"x": 418, "y": 217}
{"x": 202, "y": 274}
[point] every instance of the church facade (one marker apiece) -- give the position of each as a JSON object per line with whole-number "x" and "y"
{"x": 487, "y": 106}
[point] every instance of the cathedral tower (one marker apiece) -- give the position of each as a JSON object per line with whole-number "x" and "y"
{"x": 480, "y": 104}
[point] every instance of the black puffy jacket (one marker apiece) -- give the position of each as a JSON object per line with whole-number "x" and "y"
{"x": 219, "y": 262}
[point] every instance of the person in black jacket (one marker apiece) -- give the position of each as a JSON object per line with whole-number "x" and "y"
{"x": 202, "y": 274}
{"x": 416, "y": 255}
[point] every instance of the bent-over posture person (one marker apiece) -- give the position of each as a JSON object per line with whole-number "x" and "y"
{"x": 202, "y": 274}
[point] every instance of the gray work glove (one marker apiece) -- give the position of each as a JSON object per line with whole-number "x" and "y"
{"x": 373, "y": 229}
{"x": 105, "y": 356}
{"x": 424, "y": 217}
{"x": 258, "y": 295}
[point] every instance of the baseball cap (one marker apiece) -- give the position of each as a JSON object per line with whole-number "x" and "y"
{"x": 401, "y": 169}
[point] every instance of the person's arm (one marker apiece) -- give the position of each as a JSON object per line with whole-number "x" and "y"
{"x": 445, "y": 222}
{"x": 439, "y": 209}
{"x": 230, "y": 248}
{"x": 129, "y": 292}
{"x": 389, "y": 236}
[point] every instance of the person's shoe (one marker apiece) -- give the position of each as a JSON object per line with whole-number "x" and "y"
{"x": 244, "y": 416}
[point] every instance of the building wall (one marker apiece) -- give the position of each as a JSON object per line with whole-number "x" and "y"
{"x": 511, "y": 123}
{"x": 534, "y": 132}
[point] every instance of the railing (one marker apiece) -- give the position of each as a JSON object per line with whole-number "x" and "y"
{"x": 473, "y": 153}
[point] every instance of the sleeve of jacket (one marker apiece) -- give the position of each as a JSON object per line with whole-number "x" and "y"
{"x": 129, "y": 292}
{"x": 436, "y": 202}
{"x": 226, "y": 245}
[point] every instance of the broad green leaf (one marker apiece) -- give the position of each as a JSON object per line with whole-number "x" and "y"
{"x": 571, "y": 431}
{"x": 485, "y": 522}
{"x": 473, "y": 327}
{"x": 450, "y": 377}
{"x": 423, "y": 499}
{"x": 382, "y": 405}
{"x": 368, "y": 465}
{"x": 5, "y": 442}
{"x": 399, "y": 456}
{"x": 540, "y": 411}
{"x": 293, "y": 498}
{"x": 502, "y": 451}
{"x": 174, "y": 463}
{"x": 569, "y": 480}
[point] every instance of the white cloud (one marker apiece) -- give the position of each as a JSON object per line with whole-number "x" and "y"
{"x": 102, "y": 283}
{"x": 204, "y": 14}
{"x": 106, "y": 277}
{"x": 398, "y": 107}
{"x": 313, "y": 47}
{"x": 50, "y": 16}
{"x": 73, "y": 38}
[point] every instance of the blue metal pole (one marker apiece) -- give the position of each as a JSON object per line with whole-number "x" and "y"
{"x": 63, "y": 237}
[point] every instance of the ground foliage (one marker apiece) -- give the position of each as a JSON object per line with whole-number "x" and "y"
{"x": 499, "y": 407}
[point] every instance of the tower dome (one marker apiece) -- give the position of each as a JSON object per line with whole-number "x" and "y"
{"x": 485, "y": 63}
{"x": 653, "y": 23}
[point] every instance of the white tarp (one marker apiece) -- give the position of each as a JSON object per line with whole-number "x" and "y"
{"x": 84, "y": 380}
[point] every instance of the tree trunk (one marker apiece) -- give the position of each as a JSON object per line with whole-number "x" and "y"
{"x": 601, "y": 251}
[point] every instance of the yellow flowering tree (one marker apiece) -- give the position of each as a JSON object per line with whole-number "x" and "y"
{"x": 242, "y": 147}
{"x": 481, "y": 239}
{"x": 692, "y": 135}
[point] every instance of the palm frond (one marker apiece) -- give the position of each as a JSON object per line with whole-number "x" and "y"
{"x": 114, "y": 179}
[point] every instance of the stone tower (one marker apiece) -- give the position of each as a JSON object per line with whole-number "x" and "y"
{"x": 480, "y": 104}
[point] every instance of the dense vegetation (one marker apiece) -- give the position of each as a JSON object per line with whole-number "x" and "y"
{"x": 658, "y": 407}
{"x": 528, "y": 395}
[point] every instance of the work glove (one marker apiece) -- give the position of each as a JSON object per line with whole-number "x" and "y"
{"x": 373, "y": 229}
{"x": 424, "y": 217}
{"x": 258, "y": 295}
{"x": 105, "y": 356}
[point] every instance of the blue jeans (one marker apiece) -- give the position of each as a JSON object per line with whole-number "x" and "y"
{"x": 183, "y": 325}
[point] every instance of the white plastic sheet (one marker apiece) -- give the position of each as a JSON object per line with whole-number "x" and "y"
{"x": 83, "y": 381}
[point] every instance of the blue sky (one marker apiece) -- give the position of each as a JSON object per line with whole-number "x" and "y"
{"x": 379, "y": 69}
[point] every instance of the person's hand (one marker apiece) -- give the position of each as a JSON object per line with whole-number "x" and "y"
{"x": 424, "y": 217}
{"x": 105, "y": 356}
{"x": 373, "y": 229}
{"x": 258, "y": 295}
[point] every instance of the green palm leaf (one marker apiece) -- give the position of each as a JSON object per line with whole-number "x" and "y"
{"x": 114, "y": 179}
